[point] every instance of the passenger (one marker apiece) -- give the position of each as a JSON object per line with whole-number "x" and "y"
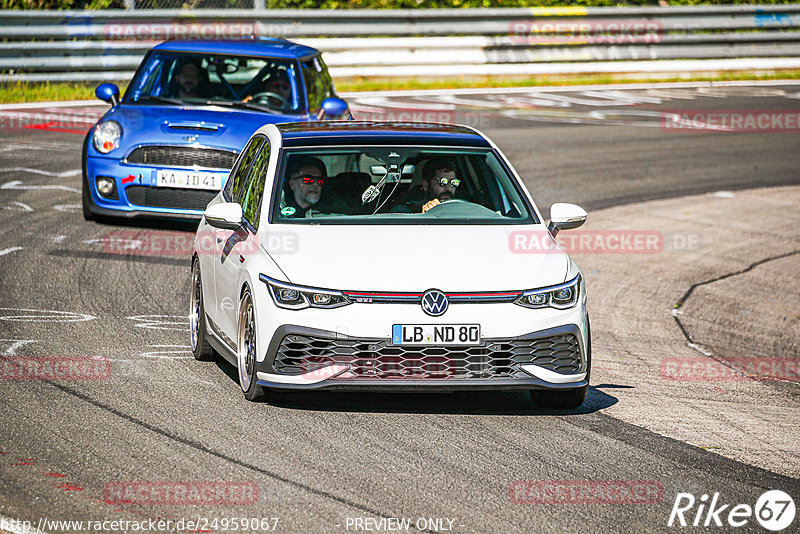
{"x": 305, "y": 179}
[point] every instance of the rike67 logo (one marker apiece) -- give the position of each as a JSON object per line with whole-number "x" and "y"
{"x": 774, "y": 510}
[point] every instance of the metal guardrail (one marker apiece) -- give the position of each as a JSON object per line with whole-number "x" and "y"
{"x": 83, "y": 45}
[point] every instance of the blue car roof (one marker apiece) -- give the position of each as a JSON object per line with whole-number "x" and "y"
{"x": 379, "y": 133}
{"x": 277, "y": 48}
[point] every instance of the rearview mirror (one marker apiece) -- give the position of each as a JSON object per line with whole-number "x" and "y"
{"x": 108, "y": 92}
{"x": 225, "y": 215}
{"x": 565, "y": 217}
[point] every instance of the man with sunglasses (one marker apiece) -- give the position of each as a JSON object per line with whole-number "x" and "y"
{"x": 439, "y": 184}
{"x": 305, "y": 179}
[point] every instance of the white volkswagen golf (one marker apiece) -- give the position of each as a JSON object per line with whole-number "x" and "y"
{"x": 353, "y": 255}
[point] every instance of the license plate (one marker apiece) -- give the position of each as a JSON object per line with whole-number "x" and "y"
{"x": 436, "y": 334}
{"x": 189, "y": 179}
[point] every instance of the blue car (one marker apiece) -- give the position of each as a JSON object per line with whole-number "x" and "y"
{"x": 166, "y": 148}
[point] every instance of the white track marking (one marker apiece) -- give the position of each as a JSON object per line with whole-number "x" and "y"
{"x": 44, "y": 316}
{"x": 17, "y": 206}
{"x": 53, "y": 238}
{"x": 181, "y": 350}
{"x": 9, "y": 251}
{"x": 16, "y": 344}
{"x": 65, "y": 104}
{"x": 126, "y": 244}
{"x": 65, "y": 174}
{"x": 68, "y": 208}
{"x": 570, "y": 88}
{"x": 17, "y": 184}
{"x": 161, "y": 322}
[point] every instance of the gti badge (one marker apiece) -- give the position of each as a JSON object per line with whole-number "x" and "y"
{"x": 434, "y": 302}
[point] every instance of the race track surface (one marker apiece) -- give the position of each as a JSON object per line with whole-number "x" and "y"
{"x": 326, "y": 462}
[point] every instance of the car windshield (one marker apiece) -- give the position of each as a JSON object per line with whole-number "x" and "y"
{"x": 202, "y": 79}
{"x": 396, "y": 185}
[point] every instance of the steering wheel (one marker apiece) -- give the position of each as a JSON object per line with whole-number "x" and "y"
{"x": 474, "y": 210}
{"x": 268, "y": 94}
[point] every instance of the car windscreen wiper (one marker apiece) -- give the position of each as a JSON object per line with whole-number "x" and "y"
{"x": 244, "y": 105}
{"x": 163, "y": 99}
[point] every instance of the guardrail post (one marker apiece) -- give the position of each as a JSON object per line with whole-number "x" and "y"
{"x": 130, "y": 5}
{"x": 260, "y": 5}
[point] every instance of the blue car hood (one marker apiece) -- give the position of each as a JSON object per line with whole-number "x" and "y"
{"x": 213, "y": 126}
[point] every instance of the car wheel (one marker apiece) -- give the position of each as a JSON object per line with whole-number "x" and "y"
{"x": 246, "y": 355}
{"x": 197, "y": 317}
{"x": 565, "y": 400}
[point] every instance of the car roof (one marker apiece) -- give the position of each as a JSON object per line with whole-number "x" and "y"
{"x": 365, "y": 133}
{"x": 268, "y": 47}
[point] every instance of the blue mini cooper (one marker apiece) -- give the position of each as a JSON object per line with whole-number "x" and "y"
{"x": 166, "y": 148}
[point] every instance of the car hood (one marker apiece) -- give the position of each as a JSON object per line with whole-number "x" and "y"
{"x": 214, "y": 126}
{"x": 416, "y": 258}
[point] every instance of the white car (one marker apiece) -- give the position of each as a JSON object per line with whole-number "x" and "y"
{"x": 353, "y": 255}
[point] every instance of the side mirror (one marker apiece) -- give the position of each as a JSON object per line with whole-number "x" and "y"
{"x": 565, "y": 217}
{"x": 225, "y": 215}
{"x": 335, "y": 108}
{"x": 108, "y": 92}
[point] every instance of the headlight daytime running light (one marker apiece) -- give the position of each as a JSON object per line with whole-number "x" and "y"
{"x": 561, "y": 297}
{"x": 294, "y": 297}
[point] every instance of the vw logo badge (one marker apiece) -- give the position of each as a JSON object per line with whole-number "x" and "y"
{"x": 434, "y": 302}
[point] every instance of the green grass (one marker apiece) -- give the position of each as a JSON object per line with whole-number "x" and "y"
{"x": 51, "y": 92}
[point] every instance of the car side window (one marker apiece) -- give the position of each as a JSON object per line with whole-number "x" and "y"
{"x": 254, "y": 190}
{"x": 318, "y": 83}
{"x": 236, "y": 181}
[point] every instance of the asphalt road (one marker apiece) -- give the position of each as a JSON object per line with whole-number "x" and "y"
{"x": 320, "y": 462}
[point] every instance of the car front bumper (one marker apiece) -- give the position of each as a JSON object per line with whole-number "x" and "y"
{"x": 306, "y": 358}
{"x": 137, "y": 197}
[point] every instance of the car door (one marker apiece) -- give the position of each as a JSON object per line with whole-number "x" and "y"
{"x": 221, "y": 237}
{"x": 235, "y": 247}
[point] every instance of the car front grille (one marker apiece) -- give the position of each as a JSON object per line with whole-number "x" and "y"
{"x": 378, "y": 359}
{"x": 181, "y": 156}
{"x": 169, "y": 197}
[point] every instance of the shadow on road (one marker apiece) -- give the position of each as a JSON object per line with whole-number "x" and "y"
{"x": 463, "y": 402}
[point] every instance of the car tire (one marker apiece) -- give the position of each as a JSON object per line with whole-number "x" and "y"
{"x": 198, "y": 339}
{"x": 561, "y": 400}
{"x": 246, "y": 349}
{"x": 85, "y": 194}
{"x": 567, "y": 399}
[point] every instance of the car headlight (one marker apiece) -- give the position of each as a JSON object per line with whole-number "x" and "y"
{"x": 294, "y": 297}
{"x": 106, "y": 136}
{"x": 562, "y": 296}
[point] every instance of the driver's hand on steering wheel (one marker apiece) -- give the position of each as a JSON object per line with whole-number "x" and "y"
{"x": 248, "y": 98}
{"x": 431, "y": 204}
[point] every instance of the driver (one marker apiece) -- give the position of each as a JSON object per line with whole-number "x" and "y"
{"x": 439, "y": 184}
{"x": 278, "y": 91}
